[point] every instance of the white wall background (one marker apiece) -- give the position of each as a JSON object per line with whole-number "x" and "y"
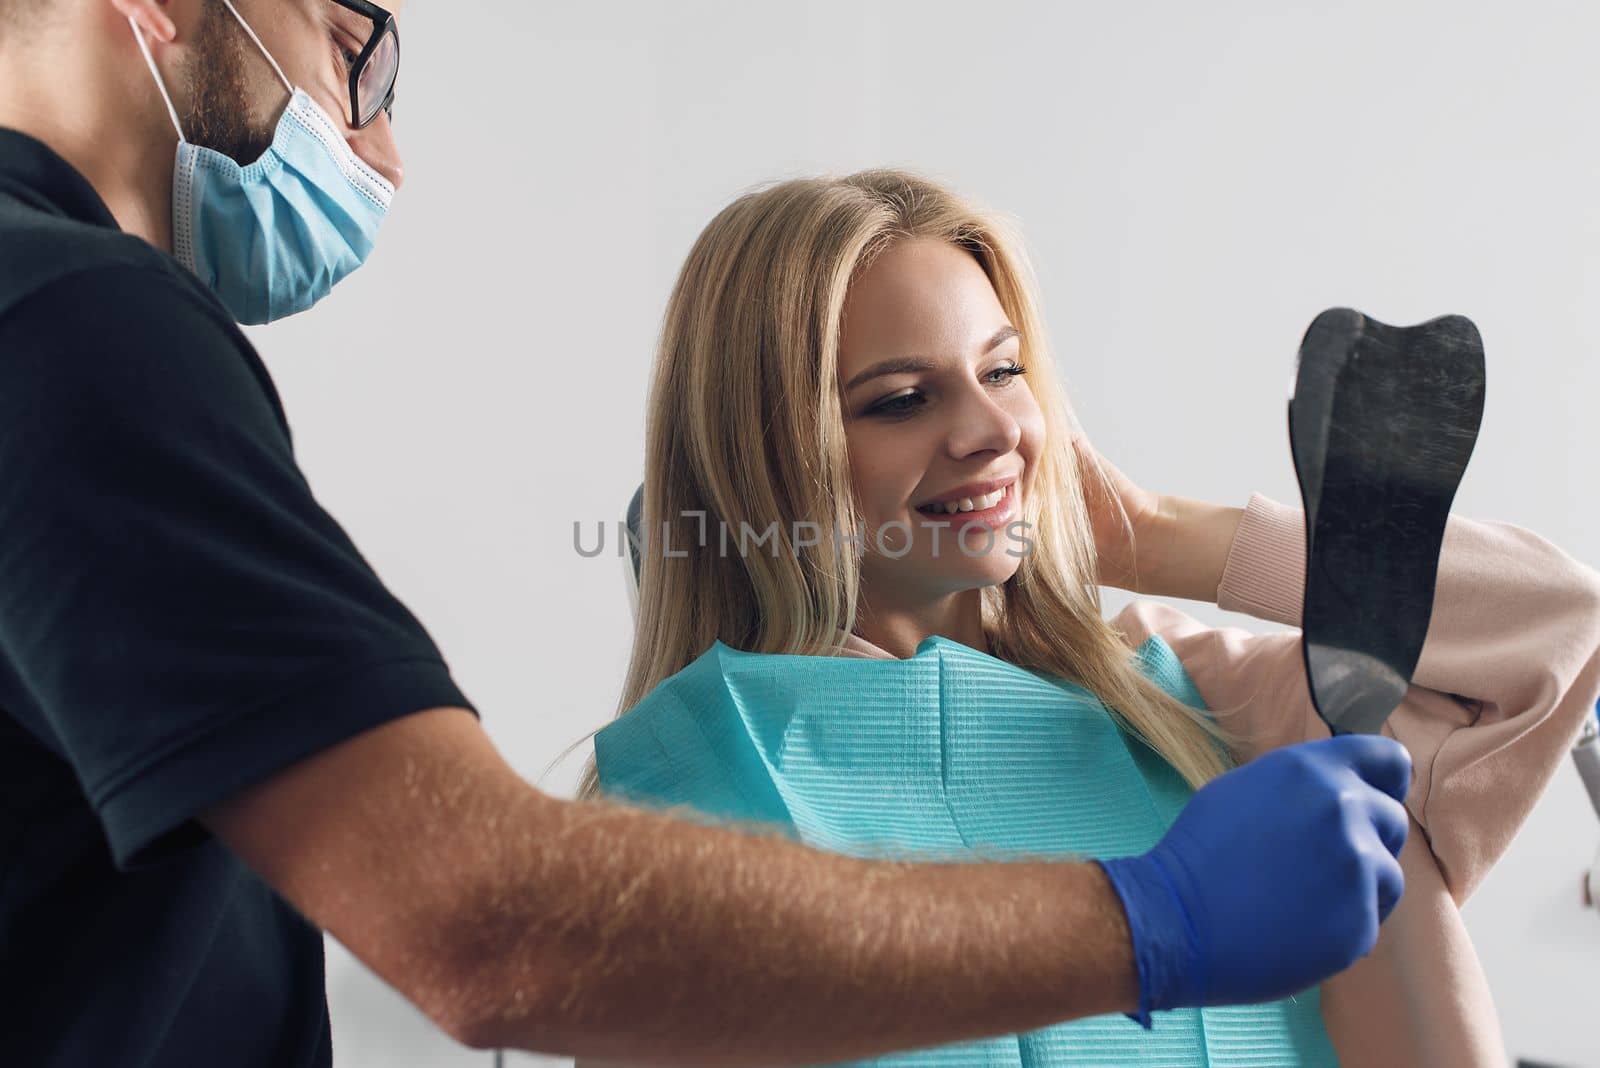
{"x": 1196, "y": 182}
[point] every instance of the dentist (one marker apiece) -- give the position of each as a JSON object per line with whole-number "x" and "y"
{"x": 221, "y": 736}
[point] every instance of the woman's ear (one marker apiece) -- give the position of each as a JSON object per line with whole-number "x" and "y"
{"x": 151, "y": 16}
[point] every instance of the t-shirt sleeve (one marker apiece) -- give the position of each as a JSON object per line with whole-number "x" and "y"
{"x": 178, "y": 615}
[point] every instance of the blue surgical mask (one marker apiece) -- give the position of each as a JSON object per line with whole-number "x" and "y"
{"x": 273, "y": 238}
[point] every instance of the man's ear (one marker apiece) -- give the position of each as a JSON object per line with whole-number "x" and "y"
{"x": 150, "y": 16}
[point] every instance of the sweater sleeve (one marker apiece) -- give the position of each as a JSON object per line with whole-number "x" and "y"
{"x": 1508, "y": 671}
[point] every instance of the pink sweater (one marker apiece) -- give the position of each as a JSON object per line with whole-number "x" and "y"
{"x": 1510, "y": 668}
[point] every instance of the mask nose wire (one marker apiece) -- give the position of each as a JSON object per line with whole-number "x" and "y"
{"x": 252, "y": 33}
{"x": 150, "y": 61}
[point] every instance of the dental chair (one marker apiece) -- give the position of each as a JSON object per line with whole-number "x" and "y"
{"x": 1586, "y": 754}
{"x": 631, "y": 562}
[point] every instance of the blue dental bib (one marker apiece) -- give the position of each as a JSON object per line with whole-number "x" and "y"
{"x": 951, "y": 754}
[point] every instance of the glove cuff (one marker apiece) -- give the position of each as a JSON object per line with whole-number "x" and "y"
{"x": 1171, "y": 973}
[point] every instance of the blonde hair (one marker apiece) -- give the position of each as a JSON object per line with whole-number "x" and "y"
{"x": 744, "y": 425}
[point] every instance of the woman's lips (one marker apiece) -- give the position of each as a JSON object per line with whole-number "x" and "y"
{"x": 993, "y": 517}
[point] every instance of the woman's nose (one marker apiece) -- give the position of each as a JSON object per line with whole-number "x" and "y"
{"x": 376, "y": 146}
{"x": 981, "y": 424}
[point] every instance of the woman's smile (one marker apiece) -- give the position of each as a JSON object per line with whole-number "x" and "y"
{"x": 993, "y": 510}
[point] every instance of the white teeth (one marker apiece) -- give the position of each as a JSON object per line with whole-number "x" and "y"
{"x": 970, "y": 504}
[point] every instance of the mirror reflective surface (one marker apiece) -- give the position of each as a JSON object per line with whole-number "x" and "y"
{"x": 1382, "y": 422}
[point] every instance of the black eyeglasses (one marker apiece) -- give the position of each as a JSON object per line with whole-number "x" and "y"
{"x": 373, "y": 75}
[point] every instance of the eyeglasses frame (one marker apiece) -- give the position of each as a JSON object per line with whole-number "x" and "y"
{"x": 383, "y": 22}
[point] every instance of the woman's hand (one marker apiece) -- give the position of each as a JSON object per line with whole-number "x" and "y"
{"x": 1170, "y": 546}
{"x": 1127, "y": 551}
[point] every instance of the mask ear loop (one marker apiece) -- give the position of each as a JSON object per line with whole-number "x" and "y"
{"x": 150, "y": 61}
{"x": 252, "y": 33}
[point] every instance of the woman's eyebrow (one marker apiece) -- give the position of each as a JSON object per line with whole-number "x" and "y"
{"x": 909, "y": 364}
{"x": 899, "y": 365}
{"x": 1002, "y": 335}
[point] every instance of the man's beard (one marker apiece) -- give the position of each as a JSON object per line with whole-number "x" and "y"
{"x": 219, "y": 112}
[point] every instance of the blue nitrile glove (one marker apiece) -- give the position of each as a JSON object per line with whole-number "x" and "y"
{"x": 1275, "y": 876}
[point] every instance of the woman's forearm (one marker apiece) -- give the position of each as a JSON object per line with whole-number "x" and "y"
{"x": 683, "y": 944}
{"x": 1184, "y": 555}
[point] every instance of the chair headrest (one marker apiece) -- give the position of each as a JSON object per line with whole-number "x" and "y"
{"x": 635, "y": 520}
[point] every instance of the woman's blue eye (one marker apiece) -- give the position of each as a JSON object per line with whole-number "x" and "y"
{"x": 900, "y": 405}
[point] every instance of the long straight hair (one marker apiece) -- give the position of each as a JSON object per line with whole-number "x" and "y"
{"x": 744, "y": 428}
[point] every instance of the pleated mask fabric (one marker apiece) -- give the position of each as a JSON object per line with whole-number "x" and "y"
{"x": 950, "y": 754}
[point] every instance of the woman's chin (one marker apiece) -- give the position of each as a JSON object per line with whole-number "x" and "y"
{"x": 972, "y": 572}
{"x": 946, "y": 560}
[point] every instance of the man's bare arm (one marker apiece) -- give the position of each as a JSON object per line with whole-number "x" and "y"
{"x": 518, "y": 920}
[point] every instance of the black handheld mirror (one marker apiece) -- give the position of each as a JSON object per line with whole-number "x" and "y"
{"x": 1382, "y": 422}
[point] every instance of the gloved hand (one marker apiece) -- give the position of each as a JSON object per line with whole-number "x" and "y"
{"x": 1275, "y": 876}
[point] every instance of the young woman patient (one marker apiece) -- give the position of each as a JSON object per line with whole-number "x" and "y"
{"x": 869, "y": 617}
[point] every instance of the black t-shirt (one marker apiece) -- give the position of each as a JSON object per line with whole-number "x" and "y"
{"x": 178, "y": 619}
